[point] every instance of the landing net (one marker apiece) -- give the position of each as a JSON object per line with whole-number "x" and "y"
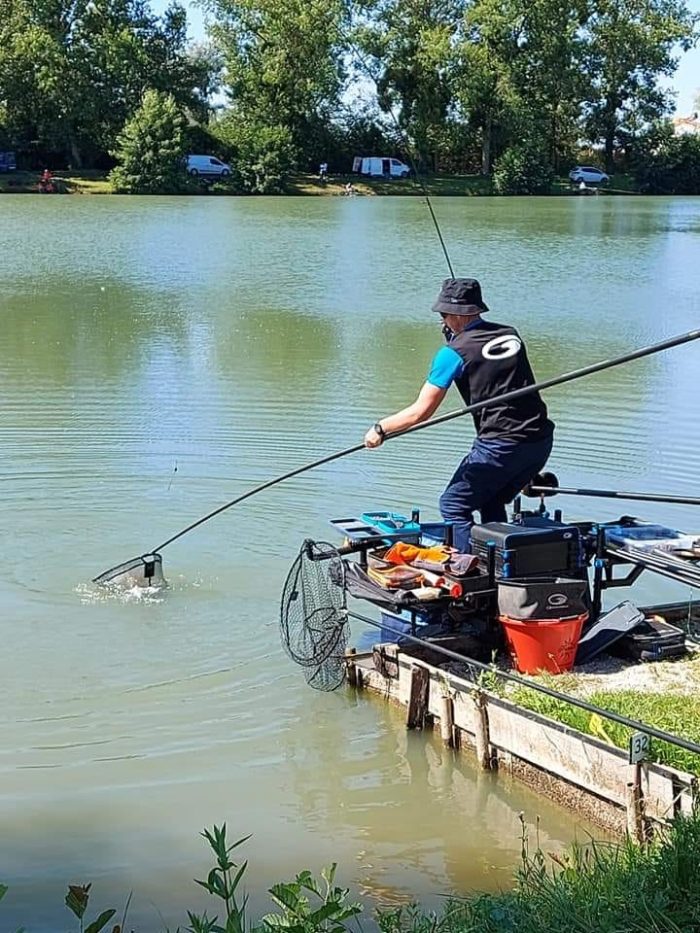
{"x": 145, "y": 571}
{"x": 313, "y": 615}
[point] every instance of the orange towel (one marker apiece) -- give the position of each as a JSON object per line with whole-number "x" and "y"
{"x": 403, "y": 553}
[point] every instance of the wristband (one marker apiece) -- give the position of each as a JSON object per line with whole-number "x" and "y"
{"x": 377, "y": 428}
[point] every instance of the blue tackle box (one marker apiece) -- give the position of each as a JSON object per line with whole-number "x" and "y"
{"x": 386, "y": 526}
{"x": 393, "y": 523}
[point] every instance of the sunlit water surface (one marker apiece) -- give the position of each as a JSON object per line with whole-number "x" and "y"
{"x": 160, "y": 356}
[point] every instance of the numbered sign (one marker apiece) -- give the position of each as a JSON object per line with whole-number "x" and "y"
{"x": 640, "y": 747}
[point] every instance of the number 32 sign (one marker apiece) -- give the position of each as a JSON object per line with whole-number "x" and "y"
{"x": 640, "y": 747}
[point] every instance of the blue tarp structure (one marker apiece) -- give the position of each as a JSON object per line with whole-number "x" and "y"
{"x": 8, "y": 162}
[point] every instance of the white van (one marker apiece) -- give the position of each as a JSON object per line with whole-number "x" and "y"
{"x": 207, "y": 165}
{"x": 380, "y": 166}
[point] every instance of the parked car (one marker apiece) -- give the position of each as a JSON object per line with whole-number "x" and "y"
{"x": 207, "y": 165}
{"x": 380, "y": 166}
{"x": 589, "y": 175}
{"x": 8, "y": 162}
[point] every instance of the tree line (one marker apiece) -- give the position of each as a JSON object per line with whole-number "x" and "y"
{"x": 513, "y": 88}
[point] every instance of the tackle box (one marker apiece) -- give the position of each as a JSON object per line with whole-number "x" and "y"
{"x": 375, "y": 527}
{"x": 393, "y": 522}
{"x": 378, "y": 527}
{"x": 645, "y": 537}
{"x": 525, "y": 550}
{"x": 653, "y": 639}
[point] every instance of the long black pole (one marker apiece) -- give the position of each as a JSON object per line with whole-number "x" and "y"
{"x": 611, "y": 494}
{"x": 559, "y": 380}
{"x": 469, "y": 409}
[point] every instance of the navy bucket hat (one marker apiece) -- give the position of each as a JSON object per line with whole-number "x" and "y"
{"x": 460, "y": 296}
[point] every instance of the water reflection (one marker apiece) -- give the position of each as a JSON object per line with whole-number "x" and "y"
{"x": 467, "y": 835}
{"x": 159, "y": 357}
{"x": 282, "y": 345}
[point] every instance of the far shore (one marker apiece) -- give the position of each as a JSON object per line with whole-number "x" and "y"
{"x": 96, "y": 182}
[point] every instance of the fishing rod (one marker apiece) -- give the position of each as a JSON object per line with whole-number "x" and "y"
{"x": 543, "y": 489}
{"x": 409, "y": 149}
{"x": 147, "y": 567}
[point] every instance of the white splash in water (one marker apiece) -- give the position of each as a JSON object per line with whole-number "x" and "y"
{"x": 90, "y": 594}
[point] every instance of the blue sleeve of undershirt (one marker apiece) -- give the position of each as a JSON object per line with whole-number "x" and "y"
{"x": 446, "y": 366}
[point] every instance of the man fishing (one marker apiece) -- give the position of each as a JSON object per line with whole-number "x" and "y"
{"x": 513, "y": 438}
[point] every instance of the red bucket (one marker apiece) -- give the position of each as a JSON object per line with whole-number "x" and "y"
{"x": 543, "y": 644}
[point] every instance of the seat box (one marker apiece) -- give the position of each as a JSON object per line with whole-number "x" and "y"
{"x": 522, "y": 550}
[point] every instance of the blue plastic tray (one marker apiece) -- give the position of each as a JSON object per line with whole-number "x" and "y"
{"x": 391, "y": 522}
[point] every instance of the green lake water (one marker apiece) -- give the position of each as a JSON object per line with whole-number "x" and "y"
{"x": 160, "y": 356}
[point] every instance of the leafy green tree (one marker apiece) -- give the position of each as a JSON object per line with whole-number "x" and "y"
{"x": 151, "y": 148}
{"x": 73, "y": 71}
{"x": 263, "y": 155}
{"x": 630, "y": 45}
{"x": 485, "y": 82}
{"x": 669, "y": 165}
{"x": 524, "y": 168}
{"x": 548, "y": 73}
{"x": 283, "y": 66}
{"x": 409, "y": 44}
{"x": 519, "y": 73}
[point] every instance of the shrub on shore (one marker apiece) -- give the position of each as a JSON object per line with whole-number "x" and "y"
{"x": 606, "y": 888}
{"x": 671, "y": 168}
{"x": 523, "y": 169}
{"x": 151, "y": 149}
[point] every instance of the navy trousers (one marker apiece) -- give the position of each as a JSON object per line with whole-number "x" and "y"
{"x": 492, "y": 474}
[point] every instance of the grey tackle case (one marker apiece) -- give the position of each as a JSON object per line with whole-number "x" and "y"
{"x": 542, "y": 598}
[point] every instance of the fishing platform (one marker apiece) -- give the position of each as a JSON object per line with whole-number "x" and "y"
{"x": 527, "y": 598}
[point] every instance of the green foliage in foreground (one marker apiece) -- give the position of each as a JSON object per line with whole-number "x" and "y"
{"x": 305, "y": 904}
{"x": 77, "y": 902}
{"x": 676, "y": 714}
{"x": 606, "y": 888}
{"x": 601, "y": 888}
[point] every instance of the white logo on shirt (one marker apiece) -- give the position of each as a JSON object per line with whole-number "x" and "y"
{"x": 500, "y": 348}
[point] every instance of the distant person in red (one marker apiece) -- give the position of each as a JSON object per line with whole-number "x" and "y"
{"x": 46, "y": 185}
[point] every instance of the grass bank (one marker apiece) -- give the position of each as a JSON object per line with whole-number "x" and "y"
{"x": 606, "y": 888}
{"x": 435, "y": 185}
{"x": 87, "y": 182}
{"x": 95, "y": 182}
{"x": 676, "y": 714}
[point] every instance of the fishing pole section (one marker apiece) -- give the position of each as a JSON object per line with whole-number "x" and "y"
{"x": 369, "y": 71}
{"x": 147, "y": 569}
{"x": 547, "y": 484}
